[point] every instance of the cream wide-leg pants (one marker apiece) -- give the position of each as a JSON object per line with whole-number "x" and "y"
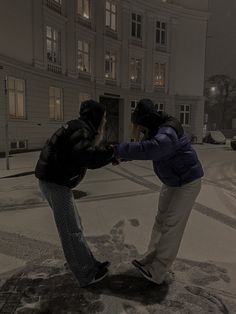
{"x": 174, "y": 207}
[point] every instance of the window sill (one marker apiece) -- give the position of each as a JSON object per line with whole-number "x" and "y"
{"x": 111, "y": 33}
{"x": 84, "y": 75}
{"x": 56, "y": 121}
{"x": 83, "y": 21}
{"x": 14, "y": 119}
{"x": 159, "y": 88}
{"x": 136, "y": 41}
{"x": 135, "y": 85}
{"x": 162, "y": 48}
{"x": 111, "y": 82}
{"x": 53, "y": 6}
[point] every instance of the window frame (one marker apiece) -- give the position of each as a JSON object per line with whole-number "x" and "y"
{"x": 15, "y": 91}
{"x": 158, "y": 106}
{"x": 83, "y": 13}
{"x": 161, "y": 30}
{"x": 158, "y": 73}
{"x": 57, "y": 42}
{"x": 111, "y": 61}
{"x": 136, "y": 23}
{"x": 110, "y": 13}
{"x": 183, "y": 113}
{"x": 84, "y": 53}
{"x": 135, "y": 60}
{"x": 54, "y": 119}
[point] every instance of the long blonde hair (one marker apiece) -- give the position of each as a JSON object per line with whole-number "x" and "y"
{"x": 138, "y": 132}
{"x": 101, "y": 130}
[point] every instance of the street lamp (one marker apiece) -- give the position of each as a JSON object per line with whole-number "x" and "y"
{"x": 213, "y": 89}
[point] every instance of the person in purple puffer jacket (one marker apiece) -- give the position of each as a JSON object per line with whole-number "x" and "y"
{"x": 176, "y": 164}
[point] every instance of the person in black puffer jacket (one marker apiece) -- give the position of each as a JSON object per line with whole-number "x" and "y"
{"x": 63, "y": 161}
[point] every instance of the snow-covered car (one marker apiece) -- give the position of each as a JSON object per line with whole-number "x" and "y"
{"x": 215, "y": 137}
{"x": 233, "y": 142}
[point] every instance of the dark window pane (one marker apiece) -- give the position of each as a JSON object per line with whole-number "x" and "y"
{"x": 157, "y": 36}
{"x": 133, "y": 29}
{"x": 158, "y": 24}
{"x": 163, "y": 37}
{"x": 163, "y": 25}
{"x": 187, "y": 120}
{"x": 139, "y": 30}
{"x": 13, "y": 145}
{"x": 134, "y": 16}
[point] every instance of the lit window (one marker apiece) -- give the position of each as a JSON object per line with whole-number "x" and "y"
{"x": 136, "y": 27}
{"x": 83, "y": 56}
{"x": 111, "y": 15}
{"x": 55, "y": 104}
{"x": 110, "y": 65}
{"x": 135, "y": 70}
{"x": 159, "y": 75}
{"x": 161, "y": 33}
{"x": 185, "y": 114}
{"x": 53, "y": 38}
{"x": 159, "y": 107}
{"x": 84, "y": 8}
{"x": 16, "y": 98}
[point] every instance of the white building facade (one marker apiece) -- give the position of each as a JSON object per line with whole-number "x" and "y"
{"x": 56, "y": 53}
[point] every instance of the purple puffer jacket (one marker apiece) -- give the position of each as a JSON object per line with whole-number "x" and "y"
{"x": 175, "y": 162}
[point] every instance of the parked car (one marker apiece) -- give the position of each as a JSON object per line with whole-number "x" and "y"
{"x": 215, "y": 137}
{"x": 233, "y": 142}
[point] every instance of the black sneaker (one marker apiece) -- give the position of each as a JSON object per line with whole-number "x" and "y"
{"x": 101, "y": 273}
{"x": 103, "y": 264}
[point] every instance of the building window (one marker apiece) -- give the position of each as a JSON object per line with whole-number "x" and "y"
{"x": 83, "y": 56}
{"x": 83, "y": 97}
{"x": 55, "y": 104}
{"x": 135, "y": 70}
{"x": 19, "y": 145}
{"x": 84, "y": 9}
{"x": 16, "y": 98}
{"x": 110, "y": 65}
{"x": 53, "y": 38}
{"x": 159, "y": 107}
{"x": 136, "y": 27}
{"x": 159, "y": 75}
{"x": 111, "y": 15}
{"x": 54, "y": 5}
{"x": 161, "y": 37}
{"x": 185, "y": 111}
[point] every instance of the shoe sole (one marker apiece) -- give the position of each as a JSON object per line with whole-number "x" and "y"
{"x": 96, "y": 280}
{"x": 143, "y": 272}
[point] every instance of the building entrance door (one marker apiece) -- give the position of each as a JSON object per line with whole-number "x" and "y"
{"x": 112, "y": 114}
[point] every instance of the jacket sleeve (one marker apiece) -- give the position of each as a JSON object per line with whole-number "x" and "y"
{"x": 156, "y": 149}
{"x": 92, "y": 157}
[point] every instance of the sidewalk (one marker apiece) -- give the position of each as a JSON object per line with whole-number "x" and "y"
{"x": 117, "y": 213}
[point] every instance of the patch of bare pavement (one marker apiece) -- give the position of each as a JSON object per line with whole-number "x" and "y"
{"x": 45, "y": 285}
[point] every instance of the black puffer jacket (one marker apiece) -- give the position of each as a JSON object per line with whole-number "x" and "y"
{"x": 69, "y": 152}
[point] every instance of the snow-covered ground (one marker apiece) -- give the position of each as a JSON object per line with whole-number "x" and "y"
{"x": 125, "y": 198}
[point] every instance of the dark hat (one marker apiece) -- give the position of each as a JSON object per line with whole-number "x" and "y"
{"x": 146, "y": 114}
{"x": 93, "y": 112}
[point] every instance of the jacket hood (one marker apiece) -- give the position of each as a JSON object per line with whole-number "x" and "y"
{"x": 93, "y": 112}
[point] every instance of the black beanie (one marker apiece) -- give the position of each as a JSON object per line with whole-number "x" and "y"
{"x": 146, "y": 114}
{"x": 93, "y": 112}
